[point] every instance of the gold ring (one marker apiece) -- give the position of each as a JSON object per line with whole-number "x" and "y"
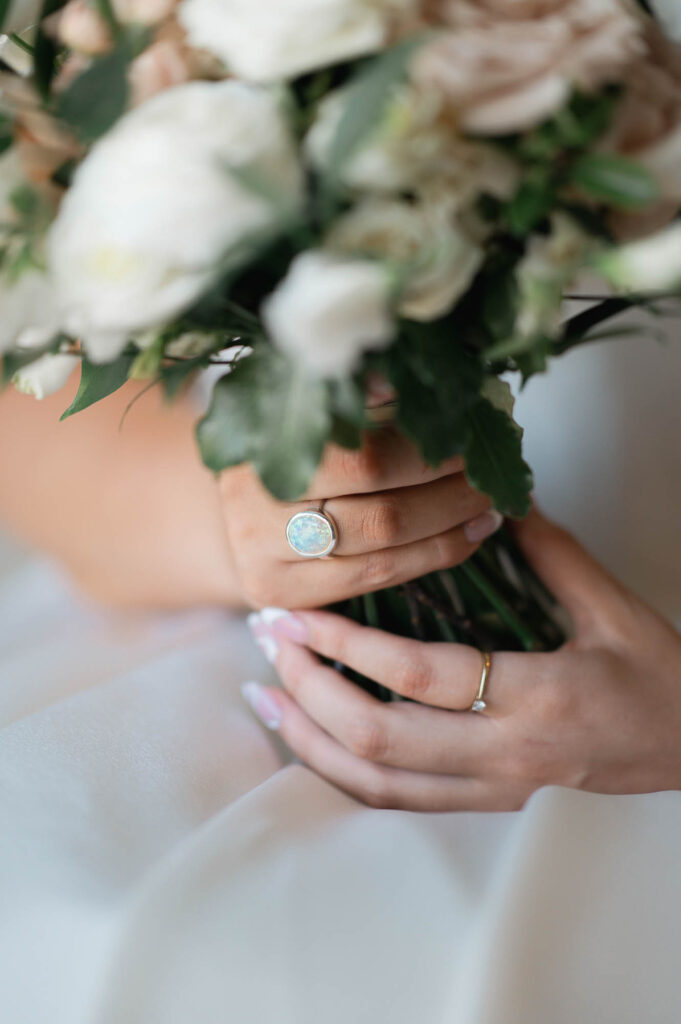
{"x": 480, "y": 704}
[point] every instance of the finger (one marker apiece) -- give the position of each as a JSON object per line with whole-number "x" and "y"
{"x": 402, "y": 735}
{"x": 405, "y": 515}
{"x": 584, "y": 588}
{"x": 440, "y": 675}
{"x": 304, "y": 583}
{"x": 378, "y": 785}
{"x": 366, "y": 522}
{"x": 341, "y": 578}
{"x": 385, "y": 461}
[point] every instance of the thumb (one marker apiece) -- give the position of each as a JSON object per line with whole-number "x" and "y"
{"x": 585, "y": 589}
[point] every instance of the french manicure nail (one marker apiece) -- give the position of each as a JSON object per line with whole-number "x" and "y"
{"x": 264, "y": 638}
{"x": 262, "y": 705}
{"x": 283, "y": 623}
{"x": 483, "y": 527}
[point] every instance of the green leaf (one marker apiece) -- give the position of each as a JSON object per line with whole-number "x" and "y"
{"x": 437, "y": 380}
{"x": 367, "y": 101}
{"x": 615, "y": 180}
{"x": 97, "y": 380}
{"x": 269, "y": 412}
{"x": 98, "y": 97}
{"x": 531, "y": 204}
{"x": 45, "y": 50}
{"x": 6, "y": 132}
{"x": 4, "y": 10}
{"x": 494, "y": 461}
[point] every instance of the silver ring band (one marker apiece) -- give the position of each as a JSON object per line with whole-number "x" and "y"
{"x": 312, "y": 534}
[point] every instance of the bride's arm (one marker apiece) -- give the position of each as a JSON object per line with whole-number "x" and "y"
{"x": 131, "y": 512}
{"x": 138, "y": 520}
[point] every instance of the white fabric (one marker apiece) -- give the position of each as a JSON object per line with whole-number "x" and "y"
{"x": 162, "y": 862}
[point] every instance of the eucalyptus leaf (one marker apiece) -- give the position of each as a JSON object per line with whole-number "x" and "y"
{"x": 268, "y": 411}
{"x": 97, "y": 381}
{"x": 615, "y": 180}
{"x": 367, "y": 100}
{"x": 97, "y": 98}
{"x": 494, "y": 461}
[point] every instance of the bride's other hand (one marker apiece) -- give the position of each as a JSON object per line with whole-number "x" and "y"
{"x": 397, "y": 519}
{"x": 603, "y": 714}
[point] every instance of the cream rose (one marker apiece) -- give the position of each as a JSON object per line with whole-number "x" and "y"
{"x": 648, "y": 125}
{"x": 507, "y": 65}
{"x": 412, "y": 149}
{"x": 156, "y": 206}
{"x": 268, "y": 40}
{"x": 433, "y": 257}
{"x": 328, "y": 310}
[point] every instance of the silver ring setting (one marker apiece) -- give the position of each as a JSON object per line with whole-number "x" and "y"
{"x": 312, "y": 534}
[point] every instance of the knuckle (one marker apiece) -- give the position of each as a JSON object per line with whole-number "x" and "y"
{"x": 531, "y": 763}
{"x": 448, "y": 550}
{"x": 259, "y": 589}
{"x": 361, "y": 468}
{"x": 413, "y": 678}
{"x": 376, "y": 791}
{"x": 557, "y": 702}
{"x": 367, "y": 739}
{"x": 381, "y": 523}
{"x": 235, "y": 482}
{"x": 378, "y": 570}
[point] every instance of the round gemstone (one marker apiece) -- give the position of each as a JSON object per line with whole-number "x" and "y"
{"x": 479, "y": 705}
{"x": 311, "y": 534}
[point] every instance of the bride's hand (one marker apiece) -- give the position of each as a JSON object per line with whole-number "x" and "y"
{"x": 602, "y": 714}
{"x": 397, "y": 519}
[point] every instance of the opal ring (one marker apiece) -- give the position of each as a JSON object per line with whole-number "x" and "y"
{"x": 312, "y": 534}
{"x": 480, "y": 704}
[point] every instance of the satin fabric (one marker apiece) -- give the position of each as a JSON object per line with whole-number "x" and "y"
{"x": 163, "y": 860}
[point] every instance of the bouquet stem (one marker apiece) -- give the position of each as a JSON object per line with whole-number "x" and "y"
{"x": 494, "y": 601}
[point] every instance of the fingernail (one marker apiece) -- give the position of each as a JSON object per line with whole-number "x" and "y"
{"x": 264, "y": 638}
{"x": 283, "y": 623}
{"x": 483, "y": 527}
{"x": 262, "y": 705}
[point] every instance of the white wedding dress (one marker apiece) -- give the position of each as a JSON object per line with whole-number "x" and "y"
{"x": 162, "y": 860}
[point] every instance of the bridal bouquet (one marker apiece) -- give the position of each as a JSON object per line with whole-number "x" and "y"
{"x": 314, "y": 194}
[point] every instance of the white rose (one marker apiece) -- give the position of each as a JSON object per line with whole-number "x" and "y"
{"x": 46, "y": 375}
{"x": 434, "y": 257}
{"x": 413, "y": 148}
{"x": 154, "y": 207}
{"x": 266, "y": 41}
{"x": 507, "y": 65}
{"x": 669, "y": 14}
{"x": 27, "y": 300}
{"x": 29, "y": 314}
{"x": 329, "y": 310}
{"x": 651, "y": 265}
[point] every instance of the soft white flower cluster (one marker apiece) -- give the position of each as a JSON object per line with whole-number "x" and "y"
{"x": 186, "y": 183}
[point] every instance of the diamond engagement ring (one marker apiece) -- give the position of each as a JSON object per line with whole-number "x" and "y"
{"x": 480, "y": 704}
{"x": 312, "y": 534}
